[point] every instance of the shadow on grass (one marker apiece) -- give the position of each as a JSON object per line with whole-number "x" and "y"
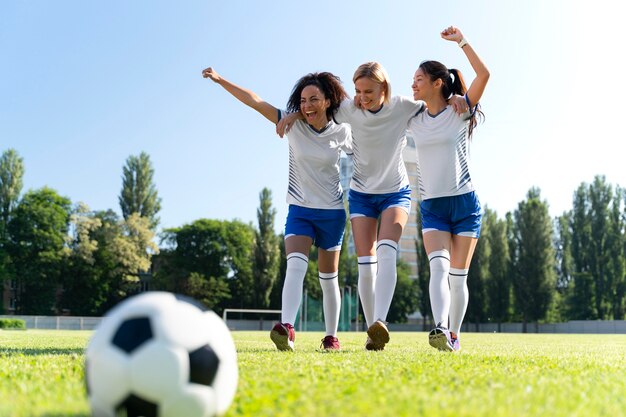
{"x": 42, "y": 351}
{"x": 63, "y": 415}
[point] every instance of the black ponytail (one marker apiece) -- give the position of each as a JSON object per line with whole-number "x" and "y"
{"x": 453, "y": 84}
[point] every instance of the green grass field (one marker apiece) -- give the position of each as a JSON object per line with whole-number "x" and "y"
{"x": 41, "y": 374}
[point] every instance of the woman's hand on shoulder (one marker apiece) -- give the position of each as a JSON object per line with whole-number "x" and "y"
{"x": 452, "y": 33}
{"x": 211, "y": 73}
{"x": 357, "y": 102}
{"x": 459, "y": 104}
{"x": 284, "y": 124}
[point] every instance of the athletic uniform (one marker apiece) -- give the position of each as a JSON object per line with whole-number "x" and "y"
{"x": 449, "y": 202}
{"x": 379, "y": 170}
{"x": 315, "y": 199}
{"x": 379, "y": 182}
{"x": 314, "y": 193}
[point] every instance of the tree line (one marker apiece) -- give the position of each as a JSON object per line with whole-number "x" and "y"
{"x": 62, "y": 257}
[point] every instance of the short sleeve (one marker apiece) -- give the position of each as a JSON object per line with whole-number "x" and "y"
{"x": 342, "y": 115}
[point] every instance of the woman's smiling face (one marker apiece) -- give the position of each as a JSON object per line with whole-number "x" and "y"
{"x": 371, "y": 93}
{"x": 313, "y": 106}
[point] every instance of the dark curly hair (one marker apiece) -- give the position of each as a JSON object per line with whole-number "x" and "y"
{"x": 329, "y": 84}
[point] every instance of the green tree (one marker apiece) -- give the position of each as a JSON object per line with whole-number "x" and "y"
{"x": 499, "y": 282}
{"x": 616, "y": 246}
{"x": 82, "y": 285}
{"x": 210, "y": 291}
{"x": 597, "y": 248}
{"x": 133, "y": 249}
{"x": 266, "y": 253}
{"x": 564, "y": 262}
{"x": 11, "y": 175}
{"x": 108, "y": 256}
{"x": 277, "y": 290}
{"x": 565, "y": 266}
{"x": 600, "y": 197}
{"x": 212, "y": 249}
{"x": 423, "y": 275}
{"x": 311, "y": 278}
{"x": 405, "y": 296}
{"x": 139, "y": 194}
{"x": 37, "y": 245}
{"x": 479, "y": 274}
{"x": 348, "y": 264}
{"x": 534, "y": 276}
{"x": 580, "y": 301}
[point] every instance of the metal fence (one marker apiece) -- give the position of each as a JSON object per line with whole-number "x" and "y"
{"x": 58, "y": 322}
{"x": 577, "y": 326}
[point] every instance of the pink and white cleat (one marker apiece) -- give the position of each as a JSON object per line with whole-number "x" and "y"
{"x": 330, "y": 343}
{"x": 284, "y": 336}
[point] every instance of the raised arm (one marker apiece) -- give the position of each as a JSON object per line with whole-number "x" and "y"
{"x": 244, "y": 95}
{"x": 477, "y": 87}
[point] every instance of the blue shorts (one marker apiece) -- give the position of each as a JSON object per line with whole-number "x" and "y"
{"x": 324, "y": 226}
{"x": 459, "y": 215}
{"x": 371, "y": 205}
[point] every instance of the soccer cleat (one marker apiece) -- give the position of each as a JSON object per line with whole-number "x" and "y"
{"x": 377, "y": 336}
{"x": 330, "y": 343}
{"x": 440, "y": 338}
{"x": 284, "y": 336}
{"x": 456, "y": 345}
{"x": 370, "y": 345}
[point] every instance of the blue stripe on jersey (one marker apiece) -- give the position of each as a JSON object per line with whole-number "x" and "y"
{"x": 295, "y": 189}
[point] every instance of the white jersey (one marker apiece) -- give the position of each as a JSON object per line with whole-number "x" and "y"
{"x": 314, "y": 164}
{"x": 378, "y": 140}
{"x": 442, "y": 147}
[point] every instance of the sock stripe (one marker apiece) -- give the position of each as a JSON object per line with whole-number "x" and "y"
{"x": 438, "y": 256}
{"x": 458, "y": 275}
{"x": 386, "y": 244}
{"x": 368, "y": 263}
{"x": 292, "y": 256}
{"x": 329, "y": 278}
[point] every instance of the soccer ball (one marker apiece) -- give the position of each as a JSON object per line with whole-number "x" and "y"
{"x": 161, "y": 355}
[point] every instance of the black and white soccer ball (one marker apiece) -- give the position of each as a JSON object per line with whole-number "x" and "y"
{"x": 161, "y": 355}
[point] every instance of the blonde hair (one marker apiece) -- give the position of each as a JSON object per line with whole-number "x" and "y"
{"x": 375, "y": 72}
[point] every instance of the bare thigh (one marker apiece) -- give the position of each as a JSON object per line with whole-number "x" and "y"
{"x": 364, "y": 233}
{"x": 327, "y": 261}
{"x": 392, "y": 222}
{"x": 462, "y": 251}
{"x": 298, "y": 243}
{"x": 436, "y": 240}
{"x": 461, "y": 248}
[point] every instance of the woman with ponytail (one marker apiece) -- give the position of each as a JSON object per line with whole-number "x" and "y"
{"x": 451, "y": 212}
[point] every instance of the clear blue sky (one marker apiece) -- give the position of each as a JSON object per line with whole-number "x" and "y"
{"x": 85, "y": 84}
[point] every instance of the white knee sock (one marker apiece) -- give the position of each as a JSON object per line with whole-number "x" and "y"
{"x": 386, "y": 252}
{"x": 367, "y": 279}
{"x": 297, "y": 264}
{"x": 439, "y": 288}
{"x": 332, "y": 301}
{"x": 459, "y": 298}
